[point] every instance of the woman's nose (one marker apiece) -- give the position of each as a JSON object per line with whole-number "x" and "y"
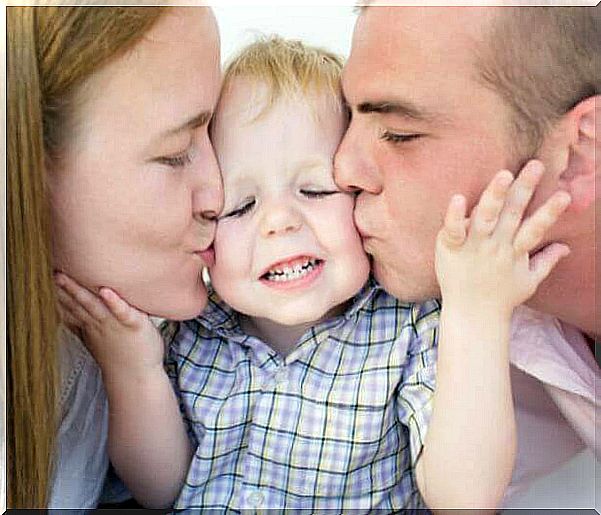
{"x": 207, "y": 200}
{"x": 280, "y": 218}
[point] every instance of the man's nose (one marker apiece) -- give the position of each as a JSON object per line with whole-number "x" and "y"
{"x": 354, "y": 170}
{"x": 207, "y": 201}
{"x": 279, "y": 218}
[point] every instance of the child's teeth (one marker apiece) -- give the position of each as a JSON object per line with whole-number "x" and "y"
{"x": 289, "y": 274}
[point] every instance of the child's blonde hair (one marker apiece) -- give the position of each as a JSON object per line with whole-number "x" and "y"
{"x": 288, "y": 68}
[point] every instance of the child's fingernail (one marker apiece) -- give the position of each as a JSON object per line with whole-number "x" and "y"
{"x": 536, "y": 167}
{"x": 505, "y": 177}
{"x": 564, "y": 198}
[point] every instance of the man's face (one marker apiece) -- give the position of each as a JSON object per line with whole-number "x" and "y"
{"x": 422, "y": 129}
{"x": 286, "y": 248}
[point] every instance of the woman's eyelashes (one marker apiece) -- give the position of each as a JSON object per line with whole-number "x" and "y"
{"x": 176, "y": 161}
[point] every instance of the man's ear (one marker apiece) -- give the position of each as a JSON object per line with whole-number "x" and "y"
{"x": 572, "y": 149}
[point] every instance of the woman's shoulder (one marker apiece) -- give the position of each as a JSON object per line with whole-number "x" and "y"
{"x": 81, "y": 460}
{"x": 79, "y": 372}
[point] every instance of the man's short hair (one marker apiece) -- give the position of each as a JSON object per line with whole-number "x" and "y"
{"x": 542, "y": 61}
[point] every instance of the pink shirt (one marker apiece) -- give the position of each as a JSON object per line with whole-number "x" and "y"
{"x": 553, "y": 380}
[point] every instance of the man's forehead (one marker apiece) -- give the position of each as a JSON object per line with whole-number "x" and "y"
{"x": 405, "y": 46}
{"x": 389, "y": 26}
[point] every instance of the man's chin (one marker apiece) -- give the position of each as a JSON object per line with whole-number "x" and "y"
{"x": 404, "y": 286}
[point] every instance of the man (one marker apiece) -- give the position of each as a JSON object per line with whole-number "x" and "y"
{"x": 441, "y": 99}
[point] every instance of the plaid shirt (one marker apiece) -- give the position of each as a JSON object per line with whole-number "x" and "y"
{"x": 337, "y": 424}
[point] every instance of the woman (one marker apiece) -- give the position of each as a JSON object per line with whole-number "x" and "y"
{"x": 112, "y": 179}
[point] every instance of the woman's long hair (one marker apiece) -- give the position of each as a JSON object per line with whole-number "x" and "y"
{"x": 51, "y": 51}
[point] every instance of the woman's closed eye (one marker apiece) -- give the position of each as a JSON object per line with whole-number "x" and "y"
{"x": 246, "y": 207}
{"x": 175, "y": 161}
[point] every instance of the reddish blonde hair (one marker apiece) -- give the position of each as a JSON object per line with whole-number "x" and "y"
{"x": 51, "y": 51}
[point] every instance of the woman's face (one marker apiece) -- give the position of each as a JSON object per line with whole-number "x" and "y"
{"x": 137, "y": 184}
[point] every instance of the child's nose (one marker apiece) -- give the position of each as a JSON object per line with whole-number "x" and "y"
{"x": 280, "y": 218}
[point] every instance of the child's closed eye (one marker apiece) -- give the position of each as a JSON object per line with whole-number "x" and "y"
{"x": 317, "y": 193}
{"x": 244, "y": 208}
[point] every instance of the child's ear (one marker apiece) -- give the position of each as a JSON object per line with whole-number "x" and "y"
{"x": 570, "y": 151}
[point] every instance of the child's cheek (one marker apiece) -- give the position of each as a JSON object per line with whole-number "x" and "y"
{"x": 228, "y": 249}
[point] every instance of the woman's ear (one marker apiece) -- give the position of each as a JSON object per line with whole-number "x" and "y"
{"x": 578, "y": 145}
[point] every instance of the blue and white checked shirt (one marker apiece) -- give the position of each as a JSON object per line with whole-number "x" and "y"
{"x": 337, "y": 424}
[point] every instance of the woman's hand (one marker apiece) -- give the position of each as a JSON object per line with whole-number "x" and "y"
{"x": 119, "y": 336}
{"x": 486, "y": 260}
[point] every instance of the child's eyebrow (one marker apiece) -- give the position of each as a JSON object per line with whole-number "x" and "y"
{"x": 314, "y": 162}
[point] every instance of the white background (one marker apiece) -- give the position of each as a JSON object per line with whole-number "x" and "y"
{"x": 328, "y": 26}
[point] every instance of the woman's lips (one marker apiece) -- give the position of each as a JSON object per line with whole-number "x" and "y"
{"x": 207, "y": 256}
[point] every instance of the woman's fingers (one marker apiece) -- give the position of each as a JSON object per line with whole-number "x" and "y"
{"x": 85, "y": 298}
{"x": 453, "y": 231}
{"x": 485, "y": 215}
{"x": 533, "y": 230}
{"x": 517, "y": 200}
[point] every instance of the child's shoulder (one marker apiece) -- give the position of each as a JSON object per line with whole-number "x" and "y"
{"x": 421, "y": 315}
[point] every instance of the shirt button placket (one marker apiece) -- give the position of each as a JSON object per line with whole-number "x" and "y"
{"x": 255, "y": 499}
{"x": 281, "y": 376}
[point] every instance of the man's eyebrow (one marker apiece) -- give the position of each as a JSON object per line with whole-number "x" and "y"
{"x": 196, "y": 121}
{"x": 405, "y": 109}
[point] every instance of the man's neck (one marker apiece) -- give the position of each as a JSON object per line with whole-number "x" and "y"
{"x": 569, "y": 292}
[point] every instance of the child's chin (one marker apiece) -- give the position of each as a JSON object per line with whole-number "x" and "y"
{"x": 305, "y": 318}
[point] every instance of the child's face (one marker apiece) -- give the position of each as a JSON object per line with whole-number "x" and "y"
{"x": 286, "y": 247}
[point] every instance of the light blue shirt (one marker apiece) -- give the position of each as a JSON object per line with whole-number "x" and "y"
{"x": 337, "y": 424}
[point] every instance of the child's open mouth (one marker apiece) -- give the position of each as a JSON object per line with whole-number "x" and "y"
{"x": 296, "y": 272}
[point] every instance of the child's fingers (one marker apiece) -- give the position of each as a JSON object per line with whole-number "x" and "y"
{"x": 87, "y": 300}
{"x": 71, "y": 323}
{"x": 518, "y": 198}
{"x": 545, "y": 260}
{"x": 73, "y": 312}
{"x": 120, "y": 309}
{"x": 454, "y": 229}
{"x": 533, "y": 230}
{"x": 486, "y": 214}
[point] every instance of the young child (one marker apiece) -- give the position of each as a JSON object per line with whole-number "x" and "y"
{"x": 303, "y": 385}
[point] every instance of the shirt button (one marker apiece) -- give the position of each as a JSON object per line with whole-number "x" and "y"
{"x": 280, "y": 377}
{"x": 256, "y": 499}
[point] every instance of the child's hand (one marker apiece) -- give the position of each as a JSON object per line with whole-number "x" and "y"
{"x": 118, "y": 335}
{"x": 484, "y": 261}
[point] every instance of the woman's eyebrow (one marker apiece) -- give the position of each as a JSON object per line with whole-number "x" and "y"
{"x": 196, "y": 121}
